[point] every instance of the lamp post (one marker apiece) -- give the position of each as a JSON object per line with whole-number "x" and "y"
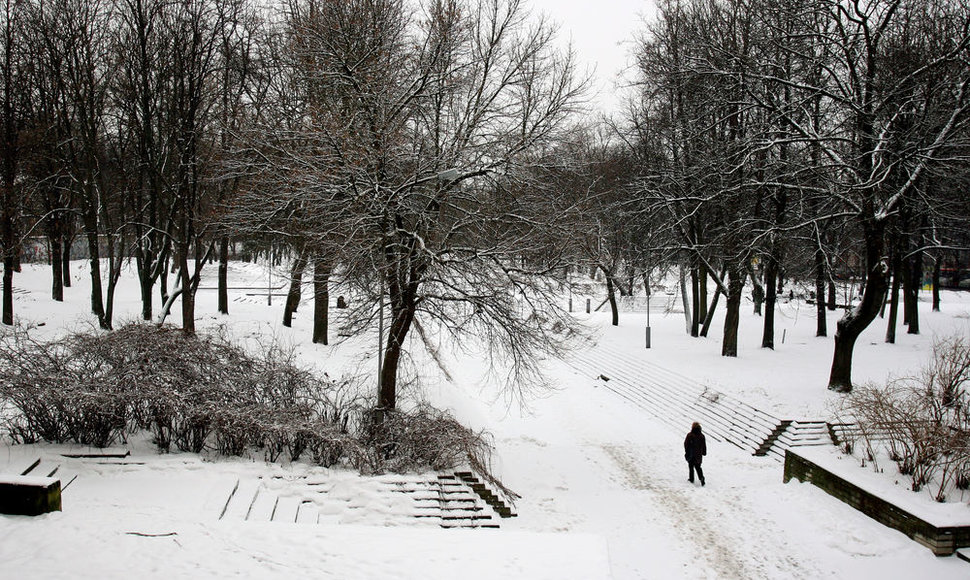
{"x": 647, "y": 286}
{"x": 380, "y": 340}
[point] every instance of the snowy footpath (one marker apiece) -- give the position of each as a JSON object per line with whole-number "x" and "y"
{"x": 588, "y": 463}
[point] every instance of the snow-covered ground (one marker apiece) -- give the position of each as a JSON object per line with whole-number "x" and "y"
{"x": 603, "y": 484}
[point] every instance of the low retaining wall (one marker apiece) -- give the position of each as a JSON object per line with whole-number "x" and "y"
{"x": 943, "y": 541}
{"x": 29, "y": 496}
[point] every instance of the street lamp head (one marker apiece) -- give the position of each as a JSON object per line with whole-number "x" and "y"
{"x": 448, "y": 175}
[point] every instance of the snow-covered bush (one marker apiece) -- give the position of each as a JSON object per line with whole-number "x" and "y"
{"x": 190, "y": 391}
{"x": 424, "y": 437}
{"x": 197, "y": 392}
{"x": 57, "y": 393}
{"x": 923, "y": 421}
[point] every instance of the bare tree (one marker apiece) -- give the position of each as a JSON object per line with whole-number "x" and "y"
{"x": 73, "y": 54}
{"x": 405, "y": 171}
{"x": 209, "y": 42}
{"x": 11, "y": 94}
{"x": 140, "y": 90}
{"x": 850, "y": 106}
{"x": 875, "y": 174}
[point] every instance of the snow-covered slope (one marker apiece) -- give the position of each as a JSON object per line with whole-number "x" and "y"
{"x": 603, "y": 484}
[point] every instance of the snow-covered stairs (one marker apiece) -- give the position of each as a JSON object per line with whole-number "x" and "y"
{"x": 678, "y": 401}
{"x": 47, "y": 467}
{"x": 459, "y": 506}
{"x": 497, "y": 499}
{"x": 448, "y": 500}
{"x": 66, "y": 466}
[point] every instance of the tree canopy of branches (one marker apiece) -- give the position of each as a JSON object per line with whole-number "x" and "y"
{"x": 782, "y": 124}
{"x": 403, "y": 166}
{"x": 117, "y": 120}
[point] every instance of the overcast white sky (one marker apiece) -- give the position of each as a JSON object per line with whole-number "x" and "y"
{"x": 601, "y": 32}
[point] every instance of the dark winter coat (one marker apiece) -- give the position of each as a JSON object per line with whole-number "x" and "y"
{"x": 695, "y": 446}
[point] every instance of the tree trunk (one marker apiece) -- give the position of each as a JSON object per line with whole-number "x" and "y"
{"x": 144, "y": 258}
{"x": 912, "y": 281}
{"x": 163, "y": 281}
{"x": 758, "y": 290}
{"x": 732, "y": 315}
{"x": 686, "y": 300}
{"x": 611, "y": 296}
{"x": 821, "y": 325}
{"x": 771, "y": 297}
{"x": 403, "y": 310}
{"x": 702, "y": 275}
{"x": 114, "y": 274}
{"x": 188, "y": 297}
{"x": 57, "y": 265}
{"x": 695, "y": 304}
{"x": 882, "y": 307}
{"x": 893, "y": 301}
{"x": 296, "y": 285}
{"x": 97, "y": 295}
{"x": 66, "y": 257}
{"x": 143, "y": 267}
{"x": 710, "y": 311}
{"x": 936, "y": 281}
{"x": 855, "y": 320}
{"x": 145, "y": 285}
{"x": 833, "y": 296}
{"x": 224, "y": 275}
{"x": 907, "y": 283}
{"x": 8, "y": 268}
{"x": 8, "y": 168}
{"x": 54, "y": 226}
{"x": 321, "y": 300}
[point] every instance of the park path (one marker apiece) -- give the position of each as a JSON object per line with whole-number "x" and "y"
{"x": 588, "y": 461}
{"x": 620, "y": 463}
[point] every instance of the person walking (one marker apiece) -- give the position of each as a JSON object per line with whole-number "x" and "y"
{"x": 695, "y": 448}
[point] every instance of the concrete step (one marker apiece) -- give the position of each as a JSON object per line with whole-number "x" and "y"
{"x": 677, "y": 400}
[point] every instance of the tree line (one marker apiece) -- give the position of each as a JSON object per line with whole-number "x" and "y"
{"x": 385, "y": 142}
{"x": 804, "y": 139}
{"x": 437, "y": 156}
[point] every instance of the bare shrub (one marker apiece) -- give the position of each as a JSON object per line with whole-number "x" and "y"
{"x": 424, "y": 437}
{"x": 197, "y": 392}
{"x": 923, "y": 420}
{"x": 190, "y": 391}
{"x": 58, "y": 392}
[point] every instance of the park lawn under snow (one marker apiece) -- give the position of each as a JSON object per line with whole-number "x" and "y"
{"x": 603, "y": 484}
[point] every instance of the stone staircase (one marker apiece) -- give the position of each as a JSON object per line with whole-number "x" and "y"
{"x": 46, "y": 467}
{"x": 65, "y": 465}
{"x": 459, "y": 506}
{"x": 449, "y": 500}
{"x": 678, "y": 401}
{"x": 497, "y": 500}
